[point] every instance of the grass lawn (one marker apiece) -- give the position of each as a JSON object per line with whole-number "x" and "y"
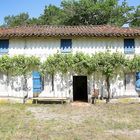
{"x": 70, "y": 122}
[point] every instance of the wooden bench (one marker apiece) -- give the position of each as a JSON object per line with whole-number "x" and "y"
{"x": 61, "y": 99}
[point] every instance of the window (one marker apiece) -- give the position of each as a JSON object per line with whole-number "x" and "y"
{"x": 129, "y": 46}
{"x": 4, "y": 45}
{"x": 66, "y": 45}
{"x": 129, "y": 81}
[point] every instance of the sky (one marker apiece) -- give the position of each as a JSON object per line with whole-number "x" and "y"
{"x": 33, "y": 7}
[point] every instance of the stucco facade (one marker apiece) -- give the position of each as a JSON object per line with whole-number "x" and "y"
{"x": 63, "y": 85}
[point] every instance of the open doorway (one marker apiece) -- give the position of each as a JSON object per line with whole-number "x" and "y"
{"x": 80, "y": 88}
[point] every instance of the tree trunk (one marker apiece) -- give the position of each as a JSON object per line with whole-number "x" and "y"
{"x": 108, "y": 89}
{"x": 25, "y": 87}
{"x": 52, "y": 82}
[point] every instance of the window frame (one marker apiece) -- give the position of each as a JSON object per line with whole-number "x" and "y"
{"x": 128, "y": 50}
{"x": 63, "y": 48}
{"x": 4, "y": 50}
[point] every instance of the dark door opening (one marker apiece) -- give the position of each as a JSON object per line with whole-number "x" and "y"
{"x": 80, "y": 88}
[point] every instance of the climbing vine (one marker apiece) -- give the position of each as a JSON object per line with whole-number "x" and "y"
{"x": 108, "y": 64}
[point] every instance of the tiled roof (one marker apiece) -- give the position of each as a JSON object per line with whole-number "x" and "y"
{"x": 95, "y": 31}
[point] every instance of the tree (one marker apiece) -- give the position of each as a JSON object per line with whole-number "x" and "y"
{"x": 21, "y": 19}
{"x": 52, "y": 15}
{"x": 109, "y": 65}
{"x": 136, "y": 18}
{"x": 34, "y": 21}
{"x": 6, "y": 66}
{"x": 89, "y": 12}
{"x": 50, "y": 66}
{"x": 121, "y": 14}
{"x": 80, "y": 12}
{"x": 64, "y": 64}
{"x": 23, "y": 66}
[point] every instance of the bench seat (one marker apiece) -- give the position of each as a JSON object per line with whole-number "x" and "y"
{"x": 62, "y": 99}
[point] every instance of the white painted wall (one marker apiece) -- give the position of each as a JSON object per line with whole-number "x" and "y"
{"x": 43, "y": 47}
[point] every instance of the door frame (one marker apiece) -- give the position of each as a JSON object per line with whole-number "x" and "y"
{"x": 74, "y": 82}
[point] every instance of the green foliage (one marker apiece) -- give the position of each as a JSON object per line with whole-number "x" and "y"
{"x": 81, "y": 12}
{"x": 136, "y": 18}
{"x": 82, "y": 64}
{"x": 21, "y": 19}
{"x": 133, "y": 65}
{"x": 52, "y": 15}
{"x": 110, "y": 64}
{"x": 19, "y": 66}
{"x": 89, "y": 12}
{"x": 24, "y": 65}
{"x": 58, "y": 63}
{"x": 6, "y": 64}
{"x": 50, "y": 65}
{"x": 105, "y": 63}
{"x": 65, "y": 63}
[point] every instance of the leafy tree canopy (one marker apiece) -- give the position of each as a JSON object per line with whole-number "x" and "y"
{"x": 81, "y": 12}
{"x": 24, "y": 65}
{"x": 136, "y": 18}
{"x": 21, "y": 19}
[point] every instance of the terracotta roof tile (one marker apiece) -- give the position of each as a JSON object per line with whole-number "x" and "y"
{"x": 96, "y": 31}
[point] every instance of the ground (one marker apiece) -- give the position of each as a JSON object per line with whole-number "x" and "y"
{"x": 118, "y": 121}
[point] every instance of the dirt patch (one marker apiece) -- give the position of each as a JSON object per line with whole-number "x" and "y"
{"x": 133, "y": 134}
{"x": 80, "y": 104}
{"x": 72, "y": 112}
{"x": 80, "y": 121}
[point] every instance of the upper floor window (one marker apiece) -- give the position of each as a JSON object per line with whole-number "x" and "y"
{"x": 66, "y": 45}
{"x": 129, "y": 46}
{"x": 4, "y": 46}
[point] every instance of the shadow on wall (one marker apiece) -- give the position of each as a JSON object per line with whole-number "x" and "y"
{"x": 12, "y": 83}
{"x": 18, "y": 84}
{"x": 65, "y": 81}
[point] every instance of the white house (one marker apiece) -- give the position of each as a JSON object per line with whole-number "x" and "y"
{"x": 43, "y": 41}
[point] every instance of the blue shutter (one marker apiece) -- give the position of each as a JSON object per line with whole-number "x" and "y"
{"x": 129, "y": 46}
{"x": 4, "y": 45}
{"x": 37, "y": 83}
{"x": 137, "y": 84}
{"x": 66, "y": 45}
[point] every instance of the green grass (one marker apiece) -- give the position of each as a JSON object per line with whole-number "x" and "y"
{"x": 66, "y": 122}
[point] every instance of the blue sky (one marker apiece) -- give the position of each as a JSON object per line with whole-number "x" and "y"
{"x": 33, "y": 7}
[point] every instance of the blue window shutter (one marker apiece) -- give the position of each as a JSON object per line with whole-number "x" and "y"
{"x": 37, "y": 82}
{"x": 137, "y": 84}
{"x": 129, "y": 46}
{"x": 66, "y": 45}
{"x": 4, "y": 46}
